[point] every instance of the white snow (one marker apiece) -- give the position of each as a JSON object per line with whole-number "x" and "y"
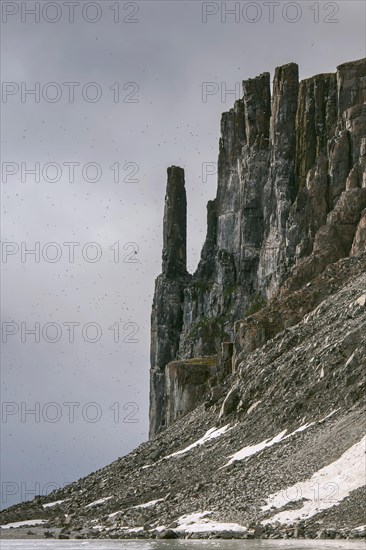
{"x": 192, "y": 523}
{"x": 96, "y": 502}
{"x": 212, "y": 433}
{"x": 251, "y": 450}
{"x": 126, "y": 529}
{"x": 200, "y": 523}
{"x": 324, "y": 489}
{"x": 139, "y": 529}
{"x": 27, "y": 523}
{"x": 328, "y": 416}
{"x": 114, "y": 514}
{"x": 350, "y": 359}
{"x": 254, "y": 406}
{"x": 361, "y": 301}
{"x": 52, "y": 504}
{"x": 301, "y": 429}
{"x": 148, "y": 504}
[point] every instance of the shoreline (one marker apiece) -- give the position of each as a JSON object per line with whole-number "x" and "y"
{"x": 255, "y": 533}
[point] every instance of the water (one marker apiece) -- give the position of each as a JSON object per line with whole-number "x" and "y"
{"x": 182, "y": 545}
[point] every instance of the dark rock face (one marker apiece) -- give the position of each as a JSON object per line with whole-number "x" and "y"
{"x": 291, "y": 199}
{"x": 186, "y": 384}
{"x": 175, "y": 225}
{"x": 167, "y": 315}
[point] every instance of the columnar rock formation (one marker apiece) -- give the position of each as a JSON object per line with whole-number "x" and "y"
{"x": 291, "y": 198}
{"x": 167, "y": 316}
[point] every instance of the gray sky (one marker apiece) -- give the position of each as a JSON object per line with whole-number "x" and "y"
{"x": 160, "y": 64}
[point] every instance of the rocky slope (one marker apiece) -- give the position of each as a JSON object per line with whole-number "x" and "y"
{"x": 259, "y": 358}
{"x": 232, "y": 452}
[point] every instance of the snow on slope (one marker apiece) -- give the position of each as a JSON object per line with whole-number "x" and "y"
{"x": 26, "y": 523}
{"x": 212, "y": 433}
{"x": 114, "y": 514}
{"x": 200, "y": 523}
{"x": 96, "y": 502}
{"x": 326, "y": 488}
{"x": 52, "y": 504}
{"x": 251, "y": 450}
{"x": 149, "y": 504}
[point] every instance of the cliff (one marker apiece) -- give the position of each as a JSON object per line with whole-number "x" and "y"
{"x": 259, "y": 358}
{"x": 291, "y": 199}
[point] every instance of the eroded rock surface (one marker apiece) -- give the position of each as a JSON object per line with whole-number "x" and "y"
{"x": 291, "y": 200}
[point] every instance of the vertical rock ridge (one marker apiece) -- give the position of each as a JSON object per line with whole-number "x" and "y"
{"x": 167, "y": 309}
{"x": 290, "y": 200}
{"x": 315, "y": 121}
{"x": 175, "y": 224}
{"x": 280, "y": 188}
{"x": 257, "y": 109}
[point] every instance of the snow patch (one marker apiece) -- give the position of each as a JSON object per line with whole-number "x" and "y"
{"x": 149, "y": 504}
{"x": 326, "y": 488}
{"x": 26, "y": 523}
{"x": 361, "y": 301}
{"x": 359, "y": 528}
{"x": 212, "y": 433}
{"x": 254, "y": 406}
{"x": 251, "y": 450}
{"x": 328, "y": 416}
{"x": 99, "y": 501}
{"x": 52, "y": 504}
{"x": 200, "y": 523}
{"x": 114, "y": 514}
{"x": 350, "y": 359}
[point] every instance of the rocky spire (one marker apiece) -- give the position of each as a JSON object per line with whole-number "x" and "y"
{"x": 291, "y": 199}
{"x": 175, "y": 224}
{"x": 257, "y": 109}
{"x": 167, "y": 310}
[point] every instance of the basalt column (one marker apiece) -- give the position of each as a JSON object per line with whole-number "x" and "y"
{"x": 167, "y": 310}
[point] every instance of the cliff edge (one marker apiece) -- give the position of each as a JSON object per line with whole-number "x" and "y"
{"x": 291, "y": 200}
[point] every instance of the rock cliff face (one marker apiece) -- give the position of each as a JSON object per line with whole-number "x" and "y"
{"x": 259, "y": 358}
{"x": 291, "y": 199}
{"x": 167, "y": 314}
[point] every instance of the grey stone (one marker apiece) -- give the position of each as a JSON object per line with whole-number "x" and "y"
{"x": 291, "y": 199}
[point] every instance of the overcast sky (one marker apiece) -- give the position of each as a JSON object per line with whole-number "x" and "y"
{"x": 149, "y": 87}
